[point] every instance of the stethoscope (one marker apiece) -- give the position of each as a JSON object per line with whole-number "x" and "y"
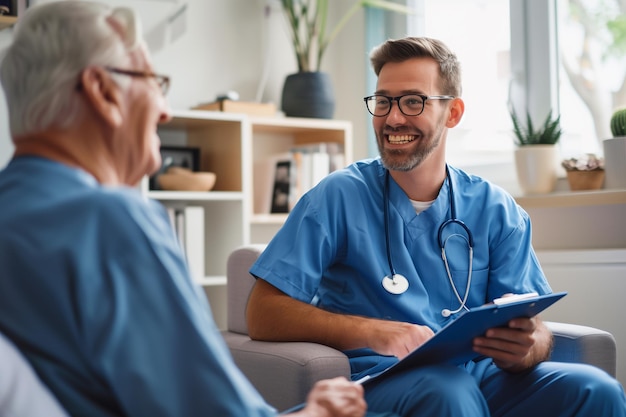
{"x": 398, "y": 284}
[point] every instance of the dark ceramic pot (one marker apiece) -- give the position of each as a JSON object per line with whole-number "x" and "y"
{"x": 308, "y": 94}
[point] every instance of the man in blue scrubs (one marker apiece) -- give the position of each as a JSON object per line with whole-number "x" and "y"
{"x": 358, "y": 264}
{"x": 94, "y": 290}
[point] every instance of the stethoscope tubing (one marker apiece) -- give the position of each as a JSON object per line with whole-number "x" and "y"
{"x": 440, "y": 240}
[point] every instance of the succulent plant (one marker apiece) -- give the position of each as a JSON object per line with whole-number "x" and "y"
{"x": 548, "y": 134}
{"x": 618, "y": 122}
{"x": 587, "y": 162}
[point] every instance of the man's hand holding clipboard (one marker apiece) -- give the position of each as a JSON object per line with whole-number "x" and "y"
{"x": 454, "y": 344}
{"x": 520, "y": 344}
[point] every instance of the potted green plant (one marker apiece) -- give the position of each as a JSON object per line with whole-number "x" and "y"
{"x": 585, "y": 172}
{"x": 309, "y": 92}
{"x": 618, "y": 122}
{"x": 536, "y": 153}
{"x": 615, "y": 151}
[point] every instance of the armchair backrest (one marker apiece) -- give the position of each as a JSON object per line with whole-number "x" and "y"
{"x": 239, "y": 285}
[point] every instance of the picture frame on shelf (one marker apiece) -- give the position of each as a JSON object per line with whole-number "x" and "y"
{"x": 5, "y": 8}
{"x": 13, "y": 8}
{"x": 282, "y": 191}
{"x": 176, "y": 156}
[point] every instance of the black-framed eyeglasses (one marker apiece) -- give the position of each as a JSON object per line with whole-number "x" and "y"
{"x": 162, "y": 80}
{"x": 409, "y": 104}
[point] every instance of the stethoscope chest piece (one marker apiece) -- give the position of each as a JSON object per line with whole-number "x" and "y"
{"x": 397, "y": 284}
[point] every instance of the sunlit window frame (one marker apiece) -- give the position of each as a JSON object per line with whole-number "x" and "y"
{"x": 534, "y": 57}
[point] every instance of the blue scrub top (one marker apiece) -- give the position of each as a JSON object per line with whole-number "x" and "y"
{"x": 331, "y": 252}
{"x": 96, "y": 294}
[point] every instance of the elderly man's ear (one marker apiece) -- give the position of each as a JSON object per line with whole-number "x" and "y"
{"x": 103, "y": 94}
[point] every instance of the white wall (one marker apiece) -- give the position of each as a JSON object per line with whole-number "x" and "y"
{"x": 594, "y": 280}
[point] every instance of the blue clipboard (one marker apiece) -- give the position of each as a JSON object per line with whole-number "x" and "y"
{"x": 453, "y": 343}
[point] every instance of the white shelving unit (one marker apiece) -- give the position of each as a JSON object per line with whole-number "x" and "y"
{"x": 239, "y": 149}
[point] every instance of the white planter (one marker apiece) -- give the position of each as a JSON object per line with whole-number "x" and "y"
{"x": 615, "y": 162}
{"x": 536, "y": 167}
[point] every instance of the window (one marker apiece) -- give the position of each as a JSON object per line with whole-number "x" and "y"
{"x": 541, "y": 55}
{"x": 479, "y": 33}
{"x": 592, "y": 71}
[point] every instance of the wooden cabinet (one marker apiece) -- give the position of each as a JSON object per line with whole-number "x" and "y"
{"x": 240, "y": 150}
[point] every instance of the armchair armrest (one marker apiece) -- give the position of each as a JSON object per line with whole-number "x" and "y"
{"x": 283, "y": 373}
{"x": 583, "y": 344}
{"x": 294, "y": 367}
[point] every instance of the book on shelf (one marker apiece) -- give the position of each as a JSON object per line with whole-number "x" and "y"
{"x": 314, "y": 162}
{"x": 179, "y": 227}
{"x": 188, "y": 224}
{"x": 296, "y": 172}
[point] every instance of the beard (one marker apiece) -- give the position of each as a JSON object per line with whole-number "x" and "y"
{"x": 408, "y": 158}
{"x": 403, "y": 159}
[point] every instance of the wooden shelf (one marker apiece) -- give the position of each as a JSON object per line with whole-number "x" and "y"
{"x": 196, "y": 195}
{"x": 190, "y": 119}
{"x": 295, "y": 124}
{"x": 7, "y": 21}
{"x": 573, "y": 199}
{"x": 278, "y": 219}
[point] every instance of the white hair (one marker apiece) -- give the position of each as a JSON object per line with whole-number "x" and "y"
{"x": 52, "y": 44}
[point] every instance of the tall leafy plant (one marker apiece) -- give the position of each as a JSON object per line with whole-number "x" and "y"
{"x": 548, "y": 133}
{"x": 308, "y": 26}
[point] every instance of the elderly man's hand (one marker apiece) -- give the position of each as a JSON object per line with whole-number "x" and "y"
{"x": 336, "y": 397}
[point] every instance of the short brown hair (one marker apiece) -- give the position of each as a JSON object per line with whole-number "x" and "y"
{"x": 400, "y": 50}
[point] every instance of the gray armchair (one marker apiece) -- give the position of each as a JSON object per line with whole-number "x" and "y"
{"x": 285, "y": 372}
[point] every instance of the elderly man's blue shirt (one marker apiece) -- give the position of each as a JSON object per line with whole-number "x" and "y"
{"x": 96, "y": 294}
